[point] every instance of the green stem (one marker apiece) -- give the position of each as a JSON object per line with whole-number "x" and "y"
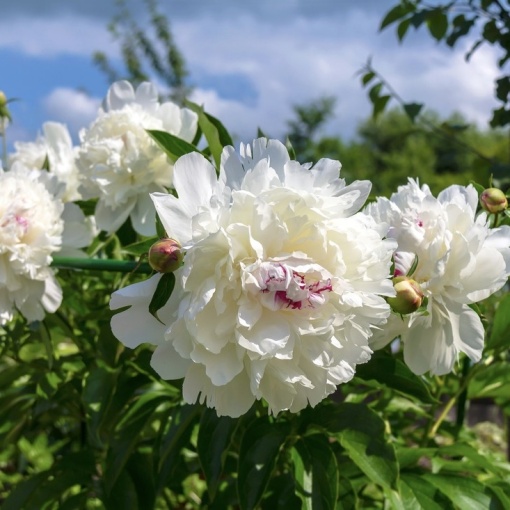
{"x": 119, "y": 266}
{"x": 462, "y": 401}
{"x": 458, "y": 395}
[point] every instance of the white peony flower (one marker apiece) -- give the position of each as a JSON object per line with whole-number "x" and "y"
{"x": 55, "y": 144}
{"x": 120, "y": 162}
{"x": 281, "y": 282}
{"x": 460, "y": 261}
{"x": 30, "y": 233}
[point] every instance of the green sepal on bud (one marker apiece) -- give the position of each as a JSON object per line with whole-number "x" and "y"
{"x": 493, "y": 200}
{"x": 165, "y": 255}
{"x": 409, "y": 298}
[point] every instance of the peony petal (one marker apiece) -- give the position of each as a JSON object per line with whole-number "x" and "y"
{"x": 195, "y": 182}
{"x": 175, "y": 218}
{"x": 167, "y": 362}
{"x": 143, "y": 216}
{"x": 119, "y": 94}
{"x": 136, "y": 325}
{"x": 78, "y": 231}
{"x": 52, "y": 297}
{"x": 146, "y": 95}
{"x": 233, "y": 399}
{"x": 111, "y": 220}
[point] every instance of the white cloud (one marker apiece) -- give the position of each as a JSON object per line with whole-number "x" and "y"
{"x": 289, "y": 58}
{"x": 49, "y": 37}
{"x": 72, "y": 107}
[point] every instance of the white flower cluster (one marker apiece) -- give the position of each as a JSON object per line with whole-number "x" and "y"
{"x": 116, "y": 162}
{"x": 55, "y": 147}
{"x": 282, "y": 281}
{"x": 119, "y": 162}
{"x": 460, "y": 261}
{"x": 31, "y": 230}
{"x": 284, "y": 284}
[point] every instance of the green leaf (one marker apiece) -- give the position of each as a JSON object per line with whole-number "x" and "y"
{"x": 418, "y": 494}
{"x": 260, "y": 447}
{"x": 215, "y": 133}
{"x": 361, "y": 433}
{"x": 491, "y": 382}
{"x": 316, "y": 472}
{"x": 129, "y": 430}
{"x": 46, "y": 163}
{"x": 402, "y": 29}
{"x": 173, "y": 146}
{"x": 163, "y": 292}
{"x": 379, "y": 105}
{"x": 160, "y": 229}
{"x": 462, "y": 491}
{"x": 225, "y": 138}
{"x": 375, "y": 92}
{"x": 290, "y": 149}
{"x": 367, "y": 78}
{"x": 491, "y": 32}
{"x": 500, "y": 334}
{"x": 479, "y": 188}
{"x": 23, "y": 491}
{"x": 214, "y": 437}
{"x": 413, "y": 110}
{"x": 437, "y": 23}
{"x": 395, "y": 374}
{"x": 396, "y": 13}
{"x": 182, "y": 420}
{"x": 141, "y": 247}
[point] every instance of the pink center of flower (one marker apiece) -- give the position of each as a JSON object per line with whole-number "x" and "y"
{"x": 16, "y": 224}
{"x": 283, "y": 287}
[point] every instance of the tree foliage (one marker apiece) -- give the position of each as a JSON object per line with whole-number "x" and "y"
{"x": 453, "y": 21}
{"x": 146, "y": 51}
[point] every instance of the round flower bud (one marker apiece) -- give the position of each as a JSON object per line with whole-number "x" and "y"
{"x": 165, "y": 256}
{"x": 409, "y": 295}
{"x": 493, "y": 200}
{"x": 4, "y": 112}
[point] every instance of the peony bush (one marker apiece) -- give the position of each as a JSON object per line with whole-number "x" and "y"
{"x": 187, "y": 324}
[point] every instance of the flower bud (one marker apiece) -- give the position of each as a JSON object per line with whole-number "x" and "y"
{"x": 165, "y": 255}
{"x": 409, "y": 296}
{"x": 4, "y": 112}
{"x": 493, "y": 200}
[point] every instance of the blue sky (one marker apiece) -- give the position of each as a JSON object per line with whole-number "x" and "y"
{"x": 249, "y": 61}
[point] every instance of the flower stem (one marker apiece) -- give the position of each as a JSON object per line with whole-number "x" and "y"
{"x": 119, "y": 266}
{"x": 459, "y": 395}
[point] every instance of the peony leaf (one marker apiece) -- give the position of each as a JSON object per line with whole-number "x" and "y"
{"x": 395, "y": 374}
{"x": 419, "y": 494}
{"x": 162, "y": 295}
{"x": 316, "y": 472}
{"x": 500, "y": 334}
{"x": 214, "y": 437}
{"x": 141, "y": 247}
{"x": 181, "y": 420}
{"x": 463, "y": 492}
{"x": 173, "y": 146}
{"x": 361, "y": 433}
{"x": 129, "y": 430}
{"x": 259, "y": 451}
{"x": 214, "y": 131}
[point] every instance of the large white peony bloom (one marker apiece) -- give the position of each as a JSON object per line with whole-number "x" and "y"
{"x": 281, "y": 282}
{"x": 31, "y": 230}
{"x": 56, "y": 145}
{"x": 120, "y": 162}
{"x": 460, "y": 261}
